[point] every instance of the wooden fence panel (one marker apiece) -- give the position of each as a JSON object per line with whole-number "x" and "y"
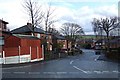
{"x": 24, "y": 50}
{"x": 33, "y": 53}
{"x": 14, "y": 51}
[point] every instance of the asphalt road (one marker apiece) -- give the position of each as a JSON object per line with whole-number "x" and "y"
{"x": 79, "y": 66}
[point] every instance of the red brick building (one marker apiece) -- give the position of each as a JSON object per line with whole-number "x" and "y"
{"x": 18, "y": 48}
{"x": 3, "y": 25}
{"x": 39, "y": 33}
{"x": 22, "y": 48}
{"x": 4, "y": 32}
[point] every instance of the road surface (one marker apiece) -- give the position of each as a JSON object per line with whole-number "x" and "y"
{"x": 84, "y": 65}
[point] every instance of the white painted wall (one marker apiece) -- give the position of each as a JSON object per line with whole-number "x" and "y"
{"x": 25, "y": 58}
{"x": 1, "y": 59}
{"x": 11, "y": 60}
{"x": 18, "y": 59}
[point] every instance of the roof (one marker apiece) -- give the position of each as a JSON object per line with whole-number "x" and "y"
{"x": 60, "y": 37}
{"x": 25, "y": 36}
{"x": 115, "y": 41}
{"x": 3, "y": 21}
{"x": 8, "y": 32}
{"x": 26, "y": 29}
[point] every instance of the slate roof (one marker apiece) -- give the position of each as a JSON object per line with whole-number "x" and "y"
{"x": 7, "y": 32}
{"x": 25, "y": 36}
{"x": 27, "y": 29}
{"x": 116, "y": 41}
{"x": 59, "y": 37}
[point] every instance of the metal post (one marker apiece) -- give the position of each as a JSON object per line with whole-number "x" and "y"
{"x": 19, "y": 54}
{"x": 4, "y": 57}
{"x": 37, "y": 53}
{"x": 59, "y": 54}
{"x": 43, "y": 52}
{"x": 30, "y": 53}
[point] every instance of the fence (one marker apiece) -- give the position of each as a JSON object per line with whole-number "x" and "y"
{"x": 21, "y": 54}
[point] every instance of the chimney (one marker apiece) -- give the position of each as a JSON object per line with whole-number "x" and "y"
{"x": 29, "y": 24}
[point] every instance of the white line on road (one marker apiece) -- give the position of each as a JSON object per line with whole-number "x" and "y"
{"x": 98, "y": 72}
{"x": 97, "y": 58}
{"x": 115, "y": 71}
{"x": 73, "y": 72}
{"x": 6, "y": 72}
{"x": 89, "y": 72}
{"x": 34, "y": 72}
{"x": 19, "y": 72}
{"x": 80, "y": 69}
{"x": 71, "y": 62}
{"x": 105, "y": 71}
{"x": 48, "y": 72}
{"x": 61, "y": 72}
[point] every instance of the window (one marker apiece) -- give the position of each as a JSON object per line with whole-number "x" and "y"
{"x": 1, "y": 41}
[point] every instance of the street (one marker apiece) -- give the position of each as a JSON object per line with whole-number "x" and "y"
{"x": 84, "y": 65}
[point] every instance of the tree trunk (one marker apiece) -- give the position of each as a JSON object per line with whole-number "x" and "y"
{"x": 108, "y": 43}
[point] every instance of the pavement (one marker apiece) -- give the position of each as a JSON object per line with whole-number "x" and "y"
{"x": 102, "y": 57}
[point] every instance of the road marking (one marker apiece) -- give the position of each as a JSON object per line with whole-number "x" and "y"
{"x": 89, "y": 72}
{"x": 73, "y": 72}
{"x": 115, "y": 71}
{"x": 80, "y": 69}
{"x": 105, "y": 71}
{"x": 71, "y": 62}
{"x": 48, "y": 72}
{"x": 6, "y": 72}
{"x": 17, "y": 67}
{"x": 61, "y": 72}
{"x": 34, "y": 72}
{"x": 19, "y": 72}
{"x": 98, "y": 72}
{"x": 97, "y": 58}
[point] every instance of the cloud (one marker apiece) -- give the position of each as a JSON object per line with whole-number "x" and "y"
{"x": 79, "y": 0}
{"x": 11, "y": 11}
{"x": 66, "y": 11}
{"x": 84, "y": 15}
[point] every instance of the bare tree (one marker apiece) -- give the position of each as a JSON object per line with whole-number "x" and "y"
{"x": 97, "y": 31}
{"x": 71, "y": 31}
{"x": 49, "y": 17}
{"x": 107, "y": 25}
{"x": 54, "y": 31}
{"x": 34, "y": 12}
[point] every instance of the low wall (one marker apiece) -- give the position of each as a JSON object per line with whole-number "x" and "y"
{"x": 21, "y": 55}
{"x": 18, "y": 59}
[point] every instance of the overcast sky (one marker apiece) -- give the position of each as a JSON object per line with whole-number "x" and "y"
{"x": 81, "y": 12}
